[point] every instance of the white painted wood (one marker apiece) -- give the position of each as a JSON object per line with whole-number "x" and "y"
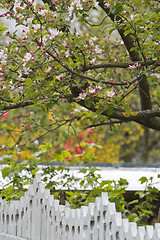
{"x": 38, "y": 216}
{"x": 156, "y": 235}
{"x": 149, "y": 232}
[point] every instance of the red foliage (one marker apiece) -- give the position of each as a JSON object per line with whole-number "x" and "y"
{"x": 5, "y": 116}
{"x": 79, "y": 149}
{"x": 89, "y": 131}
{"x": 81, "y": 135}
{"x": 68, "y": 145}
{"x": 76, "y": 148}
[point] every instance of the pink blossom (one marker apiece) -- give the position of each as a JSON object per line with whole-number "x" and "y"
{"x": 54, "y": 32}
{"x": 48, "y": 69}
{"x": 98, "y": 50}
{"x": 98, "y": 88}
{"x": 112, "y": 80}
{"x": 90, "y": 42}
{"x": 91, "y": 90}
{"x": 27, "y": 57}
{"x": 93, "y": 60}
{"x": 82, "y": 96}
{"x": 67, "y": 53}
{"x": 3, "y": 57}
{"x": 132, "y": 16}
{"x": 77, "y": 4}
{"x": 7, "y": 32}
{"x": 59, "y": 77}
{"x": 110, "y": 93}
{"x": 43, "y": 12}
{"x": 106, "y": 5}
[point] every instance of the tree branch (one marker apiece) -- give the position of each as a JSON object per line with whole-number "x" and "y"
{"x": 17, "y": 105}
{"x": 134, "y": 54}
{"x": 104, "y": 123}
{"x": 149, "y": 118}
{"x": 119, "y": 65}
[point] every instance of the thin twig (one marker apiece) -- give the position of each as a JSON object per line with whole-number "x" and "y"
{"x": 96, "y": 25}
{"x": 104, "y": 123}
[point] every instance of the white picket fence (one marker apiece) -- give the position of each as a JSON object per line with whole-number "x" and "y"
{"x": 37, "y": 216}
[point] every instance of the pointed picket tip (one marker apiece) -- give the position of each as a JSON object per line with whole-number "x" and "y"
{"x": 37, "y": 178}
{"x": 156, "y": 235}
{"x": 149, "y": 232}
{"x": 141, "y": 232}
{"x": 132, "y": 231}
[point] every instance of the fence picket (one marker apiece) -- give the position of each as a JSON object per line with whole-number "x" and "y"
{"x": 38, "y": 216}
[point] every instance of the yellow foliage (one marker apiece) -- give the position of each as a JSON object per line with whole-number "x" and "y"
{"x": 11, "y": 138}
{"x": 111, "y": 151}
{"x": 134, "y": 113}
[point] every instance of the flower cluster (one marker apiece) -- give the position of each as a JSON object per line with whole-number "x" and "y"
{"x": 157, "y": 75}
{"x": 29, "y": 56}
{"x": 82, "y": 95}
{"x": 110, "y": 93}
{"x": 135, "y": 65}
{"x": 77, "y": 4}
{"x": 90, "y": 90}
{"x": 3, "y": 58}
{"x": 53, "y": 33}
{"x": 80, "y": 4}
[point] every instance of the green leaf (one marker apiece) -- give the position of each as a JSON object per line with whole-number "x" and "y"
{"x": 128, "y": 110}
{"x": 28, "y": 81}
{"x": 5, "y": 172}
{"x": 141, "y": 194}
{"x": 87, "y": 103}
{"x": 128, "y": 32}
{"x": 111, "y": 30}
{"x": 34, "y": 172}
{"x": 42, "y": 120}
{"x": 11, "y": 94}
{"x": 132, "y": 49}
{"x": 133, "y": 202}
{"x": 110, "y": 111}
{"x": 133, "y": 217}
{"x": 123, "y": 182}
{"x": 143, "y": 180}
{"x": 28, "y": 93}
{"x": 43, "y": 108}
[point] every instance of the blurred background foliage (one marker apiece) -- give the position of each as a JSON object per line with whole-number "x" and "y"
{"x": 131, "y": 143}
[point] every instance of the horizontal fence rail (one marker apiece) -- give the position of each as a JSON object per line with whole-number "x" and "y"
{"x": 38, "y": 216}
